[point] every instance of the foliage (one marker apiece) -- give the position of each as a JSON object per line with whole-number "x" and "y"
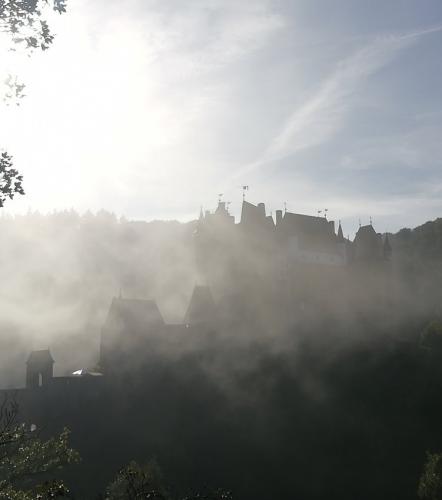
{"x": 10, "y": 179}
{"x": 146, "y": 482}
{"x": 430, "y": 482}
{"x": 212, "y": 495}
{"x": 22, "y": 20}
{"x": 24, "y": 457}
{"x": 431, "y": 336}
{"x": 136, "y": 482}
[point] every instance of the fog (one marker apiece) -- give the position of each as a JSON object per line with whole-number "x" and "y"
{"x": 271, "y": 356}
{"x": 62, "y": 271}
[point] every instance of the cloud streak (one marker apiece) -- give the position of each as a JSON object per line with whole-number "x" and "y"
{"x": 323, "y": 114}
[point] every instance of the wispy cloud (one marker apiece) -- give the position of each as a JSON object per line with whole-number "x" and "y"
{"x": 323, "y": 114}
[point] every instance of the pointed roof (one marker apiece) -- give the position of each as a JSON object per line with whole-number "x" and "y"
{"x": 133, "y": 314}
{"x": 40, "y": 358}
{"x": 341, "y": 238}
{"x": 368, "y": 243}
{"x": 202, "y": 307}
{"x": 366, "y": 232}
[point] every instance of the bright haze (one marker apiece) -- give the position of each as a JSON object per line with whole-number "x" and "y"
{"x": 151, "y": 108}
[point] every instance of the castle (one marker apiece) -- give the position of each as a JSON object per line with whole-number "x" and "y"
{"x": 295, "y": 238}
{"x": 258, "y": 268}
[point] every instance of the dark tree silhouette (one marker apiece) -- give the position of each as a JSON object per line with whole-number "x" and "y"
{"x": 10, "y": 179}
{"x": 146, "y": 482}
{"x": 25, "y": 458}
{"x": 430, "y": 482}
{"x": 23, "y": 22}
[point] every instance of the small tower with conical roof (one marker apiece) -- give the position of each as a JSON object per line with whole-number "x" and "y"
{"x": 39, "y": 369}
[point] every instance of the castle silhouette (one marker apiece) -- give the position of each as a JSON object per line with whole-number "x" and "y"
{"x": 285, "y": 263}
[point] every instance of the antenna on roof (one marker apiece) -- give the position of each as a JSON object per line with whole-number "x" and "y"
{"x": 285, "y": 208}
{"x": 359, "y": 222}
{"x": 371, "y": 221}
{"x": 244, "y": 189}
{"x": 325, "y": 212}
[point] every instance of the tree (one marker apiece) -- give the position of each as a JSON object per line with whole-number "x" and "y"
{"x": 10, "y": 179}
{"x": 431, "y": 336}
{"x": 135, "y": 482}
{"x": 430, "y": 482}
{"x": 22, "y": 21}
{"x": 25, "y": 457}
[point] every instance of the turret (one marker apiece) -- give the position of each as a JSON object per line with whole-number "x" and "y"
{"x": 278, "y": 217}
{"x": 39, "y": 369}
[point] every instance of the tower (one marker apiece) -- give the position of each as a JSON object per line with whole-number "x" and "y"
{"x": 39, "y": 369}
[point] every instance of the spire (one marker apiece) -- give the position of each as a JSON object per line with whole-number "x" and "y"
{"x": 340, "y": 234}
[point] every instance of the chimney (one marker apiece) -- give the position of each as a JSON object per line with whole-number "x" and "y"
{"x": 278, "y": 217}
{"x": 262, "y": 209}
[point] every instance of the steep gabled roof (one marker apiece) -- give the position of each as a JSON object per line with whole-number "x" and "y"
{"x": 366, "y": 235}
{"x": 307, "y": 224}
{"x": 312, "y": 233}
{"x": 133, "y": 314}
{"x": 368, "y": 243}
{"x": 40, "y": 358}
{"x": 202, "y": 308}
{"x": 251, "y": 214}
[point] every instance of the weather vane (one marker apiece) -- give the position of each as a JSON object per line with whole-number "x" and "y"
{"x": 244, "y": 189}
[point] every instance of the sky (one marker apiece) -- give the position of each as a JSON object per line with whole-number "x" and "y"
{"x": 150, "y": 109}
